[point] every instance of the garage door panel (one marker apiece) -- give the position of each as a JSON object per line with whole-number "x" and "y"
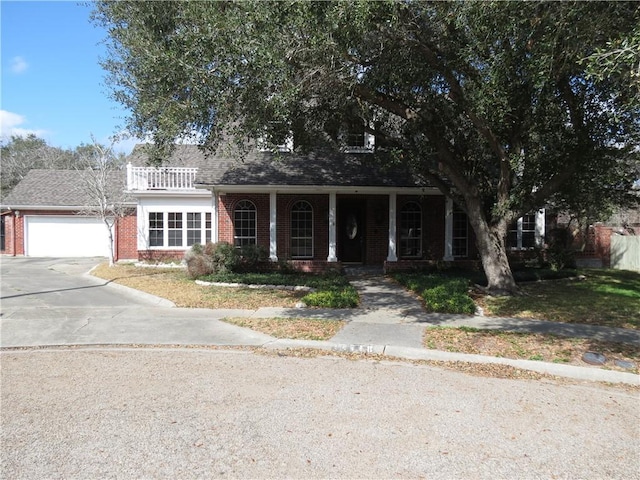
{"x": 48, "y": 236}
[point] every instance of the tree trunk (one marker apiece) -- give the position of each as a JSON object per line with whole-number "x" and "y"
{"x": 110, "y": 229}
{"x": 493, "y": 252}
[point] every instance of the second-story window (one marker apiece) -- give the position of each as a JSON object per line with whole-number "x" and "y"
{"x": 356, "y": 139}
{"x": 244, "y": 224}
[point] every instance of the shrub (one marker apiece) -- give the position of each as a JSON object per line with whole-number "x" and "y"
{"x": 198, "y": 264}
{"x": 251, "y": 256}
{"x": 336, "y": 297}
{"x": 441, "y": 293}
{"x": 220, "y": 257}
{"x": 225, "y": 257}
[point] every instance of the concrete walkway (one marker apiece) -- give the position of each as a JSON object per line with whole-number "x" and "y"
{"x": 390, "y": 321}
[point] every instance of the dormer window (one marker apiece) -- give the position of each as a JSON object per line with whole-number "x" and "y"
{"x": 357, "y": 140}
{"x": 286, "y": 137}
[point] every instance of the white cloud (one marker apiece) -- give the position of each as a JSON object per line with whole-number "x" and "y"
{"x": 18, "y": 65}
{"x": 10, "y": 126}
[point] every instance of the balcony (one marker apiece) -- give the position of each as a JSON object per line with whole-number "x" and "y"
{"x": 161, "y": 178}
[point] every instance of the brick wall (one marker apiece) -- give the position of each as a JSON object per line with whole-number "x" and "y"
{"x": 127, "y": 237}
{"x": 320, "y": 205}
{"x": 602, "y": 245}
{"x": 13, "y": 230}
{"x": 433, "y": 223}
{"x": 226, "y": 206}
{"x": 377, "y": 225}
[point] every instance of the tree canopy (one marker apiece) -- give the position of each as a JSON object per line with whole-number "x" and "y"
{"x": 495, "y": 103}
{"x": 21, "y": 154}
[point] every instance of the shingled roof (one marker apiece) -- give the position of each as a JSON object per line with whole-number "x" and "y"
{"x": 54, "y": 188}
{"x": 265, "y": 168}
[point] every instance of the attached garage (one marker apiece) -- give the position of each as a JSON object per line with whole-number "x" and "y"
{"x": 65, "y": 236}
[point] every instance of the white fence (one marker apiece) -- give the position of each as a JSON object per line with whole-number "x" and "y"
{"x": 625, "y": 252}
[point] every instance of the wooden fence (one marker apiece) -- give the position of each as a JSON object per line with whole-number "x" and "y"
{"x": 625, "y": 252}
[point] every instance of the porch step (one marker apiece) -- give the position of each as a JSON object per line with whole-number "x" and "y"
{"x": 363, "y": 270}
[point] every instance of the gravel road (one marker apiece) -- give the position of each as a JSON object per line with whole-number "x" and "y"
{"x": 186, "y": 413}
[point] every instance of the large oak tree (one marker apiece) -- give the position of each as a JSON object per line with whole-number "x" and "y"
{"x": 490, "y": 102}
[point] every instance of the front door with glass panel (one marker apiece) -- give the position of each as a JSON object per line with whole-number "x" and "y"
{"x": 351, "y": 231}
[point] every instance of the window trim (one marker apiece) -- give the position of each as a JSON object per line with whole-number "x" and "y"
{"x": 291, "y": 236}
{"x": 408, "y": 238}
{"x": 163, "y": 216}
{"x": 254, "y": 210}
{"x": 538, "y": 231}
{"x": 457, "y": 211}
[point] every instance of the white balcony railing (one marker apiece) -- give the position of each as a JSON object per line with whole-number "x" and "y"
{"x": 161, "y": 178}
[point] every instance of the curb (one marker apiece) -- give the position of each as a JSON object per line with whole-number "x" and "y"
{"x": 409, "y": 353}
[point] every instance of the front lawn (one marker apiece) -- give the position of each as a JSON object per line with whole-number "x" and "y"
{"x": 332, "y": 291}
{"x": 603, "y": 297}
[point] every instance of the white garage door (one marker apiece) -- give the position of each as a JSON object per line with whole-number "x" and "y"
{"x": 47, "y": 236}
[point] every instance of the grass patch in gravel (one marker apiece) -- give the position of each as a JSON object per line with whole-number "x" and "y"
{"x": 527, "y": 346}
{"x": 174, "y": 285}
{"x": 293, "y": 328}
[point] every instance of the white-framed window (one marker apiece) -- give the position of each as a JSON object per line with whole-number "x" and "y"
{"x": 245, "y": 224}
{"x": 156, "y": 229}
{"x": 207, "y": 227}
{"x": 283, "y": 134}
{"x": 174, "y": 229}
{"x": 357, "y": 140}
{"x": 178, "y": 229}
{"x": 460, "y": 233}
{"x": 302, "y": 230}
{"x": 411, "y": 230}
{"x": 527, "y": 232}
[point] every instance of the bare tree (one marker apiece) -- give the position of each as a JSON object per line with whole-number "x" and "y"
{"x": 102, "y": 180}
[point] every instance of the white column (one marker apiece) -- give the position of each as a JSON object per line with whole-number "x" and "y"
{"x": 273, "y": 242}
{"x": 448, "y": 231}
{"x": 392, "y": 255}
{"x": 332, "y": 228}
{"x": 214, "y": 217}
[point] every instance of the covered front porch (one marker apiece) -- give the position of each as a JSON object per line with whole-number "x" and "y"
{"x": 327, "y": 229}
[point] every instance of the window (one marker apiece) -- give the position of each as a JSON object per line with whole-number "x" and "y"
{"x": 356, "y": 138}
{"x": 178, "y": 229}
{"x": 175, "y": 229}
{"x": 194, "y": 228}
{"x": 156, "y": 229}
{"x": 302, "y": 230}
{"x": 207, "y": 227}
{"x": 244, "y": 224}
{"x": 460, "y": 242}
{"x": 525, "y": 232}
{"x": 411, "y": 230}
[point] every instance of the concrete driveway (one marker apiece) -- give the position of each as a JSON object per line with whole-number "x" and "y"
{"x": 59, "y": 282}
{"x": 48, "y": 301}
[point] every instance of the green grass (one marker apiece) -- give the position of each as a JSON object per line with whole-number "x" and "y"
{"x": 332, "y": 290}
{"x": 605, "y": 297}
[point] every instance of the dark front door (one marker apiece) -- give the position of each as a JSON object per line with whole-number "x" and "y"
{"x": 351, "y": 230}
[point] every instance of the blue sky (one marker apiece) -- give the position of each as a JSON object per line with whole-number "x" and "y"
{"x": 52, "y": 81}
